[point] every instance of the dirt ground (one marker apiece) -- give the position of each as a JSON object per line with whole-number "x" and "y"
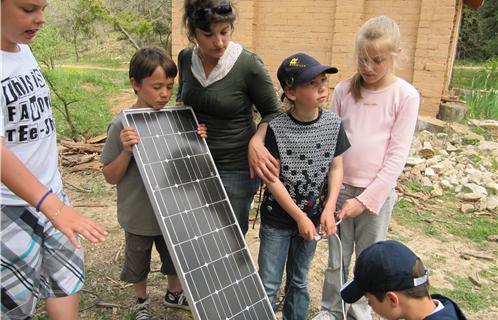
{"x": 105, "y": 297}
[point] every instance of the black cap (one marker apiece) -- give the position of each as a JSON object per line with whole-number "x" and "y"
{"x": 384, "y": 266}
{"x": 300, "y": 68}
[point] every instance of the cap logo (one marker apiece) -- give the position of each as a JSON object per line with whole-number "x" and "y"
{"x": 295, "y": 63}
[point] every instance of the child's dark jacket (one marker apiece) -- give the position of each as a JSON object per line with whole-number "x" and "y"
{"x": 451, "y": 311}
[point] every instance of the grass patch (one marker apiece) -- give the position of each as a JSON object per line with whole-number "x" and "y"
{"x": 475, "y": 158}
{"x": 86, "y": 92}
{"x": 412, "y": 186}
{"x": 475, "y": 228}
{"x": 469, "y": 141}
{"x": 480, "y": 89}
{"x": 482, "y": 132}
{"x": 467, "y": 295}
{"x": 445, "y": 217}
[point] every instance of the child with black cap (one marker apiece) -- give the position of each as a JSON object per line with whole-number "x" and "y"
{"x": 308, "y": 142}
{"x": 396, "y": 285}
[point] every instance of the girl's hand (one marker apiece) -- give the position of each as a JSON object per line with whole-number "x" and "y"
{"x": 327, "y": 222}
{"x": 202, "y": 130}
{"x": 262, "y": 163}
{"x": 129, "y": 137}
{"x": 306, "y": 228}
{"x": 351, "y": 209}
{"x": 70, "y": 223}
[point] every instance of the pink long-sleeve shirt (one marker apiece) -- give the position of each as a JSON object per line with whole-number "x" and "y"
{"x": 380, "y": 129}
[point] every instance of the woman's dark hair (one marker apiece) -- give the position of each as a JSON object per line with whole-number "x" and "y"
{"x": 203, "y": 13}
{"x": 146, "y": 60}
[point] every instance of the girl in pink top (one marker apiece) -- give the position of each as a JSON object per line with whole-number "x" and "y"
{"x": 379, "y": 112}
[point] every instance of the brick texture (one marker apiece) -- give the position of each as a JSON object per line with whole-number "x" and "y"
{"x": 326, "y": 29}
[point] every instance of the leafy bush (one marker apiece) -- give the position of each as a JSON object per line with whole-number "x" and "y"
{"x": 79, "y": 99}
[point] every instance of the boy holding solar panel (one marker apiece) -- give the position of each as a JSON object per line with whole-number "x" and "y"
{"x": 152, "y": 74}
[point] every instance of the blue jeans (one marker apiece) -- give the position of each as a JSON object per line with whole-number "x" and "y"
{"x": 276, "y": 247}
{"x": 240, "y": 190}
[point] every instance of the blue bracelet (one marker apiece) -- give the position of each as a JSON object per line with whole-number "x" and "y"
{"x": 42, "y": 199}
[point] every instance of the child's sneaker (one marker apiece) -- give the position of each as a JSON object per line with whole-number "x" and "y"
{"x": 176, "y": 300}
{"x": 141, "y": 310}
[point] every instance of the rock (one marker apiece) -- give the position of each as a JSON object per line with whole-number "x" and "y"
{"x": 489, "y": 146}
{"x": 491, "y": 204}
{"x": 492, "y": 186}
{"x": 451, "y": 148}
{"x": 427, "y": 151}
{"x": 429, "y": 172}
{"x": 413, "y": 161}
{"x": 442, "y": 136}
{"x": 442, "y": 167}
{"x": 474, "y": 188}
{"x": 416, "y": 145}
{"x": 425, "y": 136}
{"x": 473, "y": 196}
{"x": 482, "y": 204}
{"x": 426, "y": 182}
{"x": 474, "y": 175}
{"x": 434, "y": 160}
{"x": 437, "y": 191}
{"x": 445, "y": 184}
{"x": 466, "y": 208}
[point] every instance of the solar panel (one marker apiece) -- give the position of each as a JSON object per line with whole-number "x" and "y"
{"x": 198, "y": 224}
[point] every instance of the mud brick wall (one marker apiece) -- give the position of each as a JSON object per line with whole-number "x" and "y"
{"x": 325, "y": 29}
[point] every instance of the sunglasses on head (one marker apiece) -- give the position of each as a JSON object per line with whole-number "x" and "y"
{"x": 222, "y": 9}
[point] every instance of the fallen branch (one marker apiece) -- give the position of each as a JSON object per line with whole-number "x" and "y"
{"x": 477, "y": 255}
{"x": 76, "y": 188}
{"x": 118, "y": 253}
{"x": 109, "y": 305}
{"x": 407, "y": 192}
{"x": 83, "y": 147}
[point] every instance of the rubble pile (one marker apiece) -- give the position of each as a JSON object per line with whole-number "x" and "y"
{"x": 454, "y": 163}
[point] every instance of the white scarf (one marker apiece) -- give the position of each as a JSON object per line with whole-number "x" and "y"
{"x": 225, "y": 64}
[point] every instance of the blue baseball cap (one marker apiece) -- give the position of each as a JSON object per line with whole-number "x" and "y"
{"x": 300, "y": 68}
{"x": 384, "y": 266}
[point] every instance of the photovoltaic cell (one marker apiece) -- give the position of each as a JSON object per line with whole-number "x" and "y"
{"x": 199, "y": 227}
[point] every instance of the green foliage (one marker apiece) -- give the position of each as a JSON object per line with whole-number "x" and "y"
{"x": 49, "y": 46}
{"x": 468, "y": 295}
{"x": 480, "y": 131}
{"x": 482, "y": 96}
{"x": 478, "y": 38}
{"x": 469, "y": 141}
{"x": 79, "y": 99}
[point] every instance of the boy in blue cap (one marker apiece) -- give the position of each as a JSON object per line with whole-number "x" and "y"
{"x": 308, "y": 143}
{"x": 396, "y": 285}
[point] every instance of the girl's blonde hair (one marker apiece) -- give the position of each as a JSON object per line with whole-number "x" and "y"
{"x": 380, "y": 27}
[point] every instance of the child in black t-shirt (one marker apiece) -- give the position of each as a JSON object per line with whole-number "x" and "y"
{"x": 308, "y": 142}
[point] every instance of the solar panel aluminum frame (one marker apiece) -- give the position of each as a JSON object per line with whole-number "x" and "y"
{"x": 198, "y": 314}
